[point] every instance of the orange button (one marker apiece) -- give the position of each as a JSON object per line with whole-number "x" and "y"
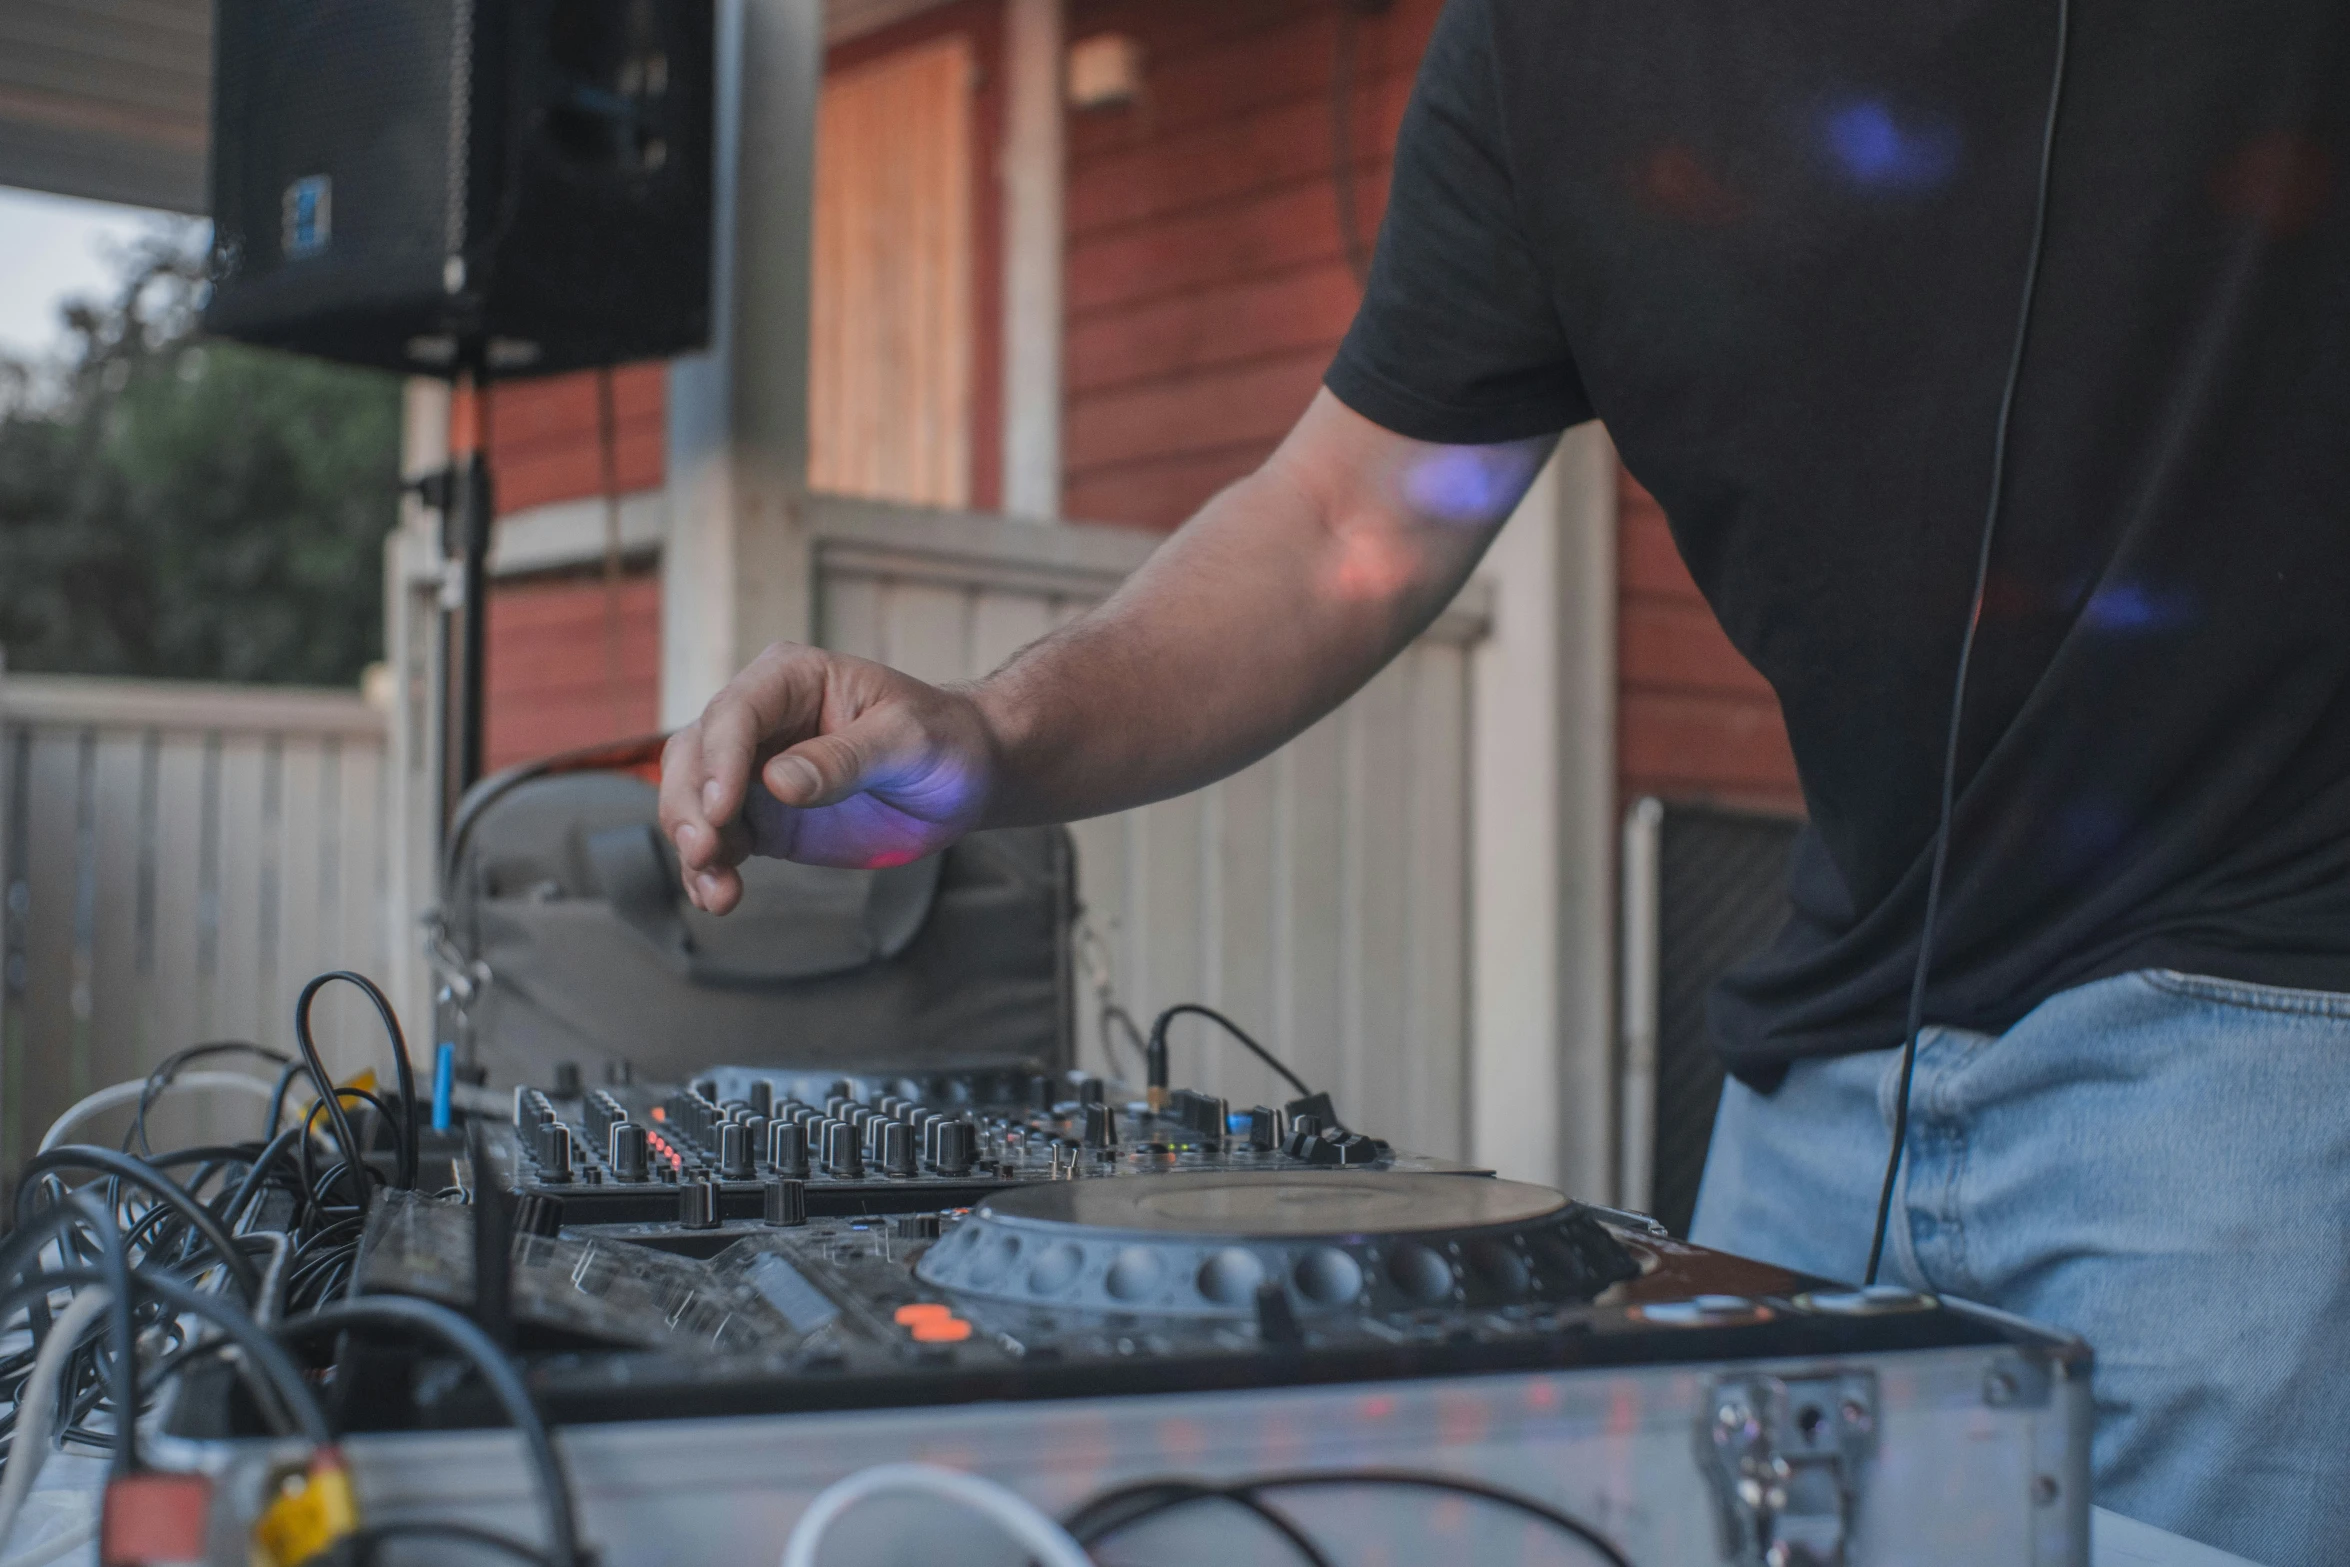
{"x": 941, "y": 1330}
{"x": 660, "y": 1114}
{"x": 922, "y": 1311}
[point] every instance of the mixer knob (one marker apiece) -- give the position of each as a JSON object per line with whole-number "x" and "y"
{"x": 523, "y": 1119}
{"x": 538, "y": 1214}
{"x": 787, "y": 1202}
{"x": 844, "y": 1151}
{"x": 958, "y": 1147}
{"x": 1304, "y": 1132}
{"x": 628, "y": 1151}
{"x": 897, "y": 1148}
{"x": 837, "y": 1101}
{"x": 734, "y": 1151}
{"x": 755, "y": 1133}
{"x": 567, "y": 1079}
{"x": 1101, "y": 1126}
{"x": 1264, "y": 1129}
{"x": 697, "y": 1205}
{"x": 762, "y": 1097}
{"x": 787, "y": 1148}
{"x": 555, "y": 1155}
{"x": 705, "y": 1088}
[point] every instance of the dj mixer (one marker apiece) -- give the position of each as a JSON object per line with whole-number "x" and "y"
{"x": 735, "y": 1291}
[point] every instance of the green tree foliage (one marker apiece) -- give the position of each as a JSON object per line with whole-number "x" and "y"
{"x": 171, "y": 506}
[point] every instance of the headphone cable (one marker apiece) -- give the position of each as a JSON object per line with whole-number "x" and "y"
{"x": 1915, "y": 1023}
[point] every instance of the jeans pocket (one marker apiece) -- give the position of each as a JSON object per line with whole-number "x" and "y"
{"x": 2244, "y": 993}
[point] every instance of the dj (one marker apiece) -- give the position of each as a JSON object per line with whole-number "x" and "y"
{"x": 1932, "y": 339}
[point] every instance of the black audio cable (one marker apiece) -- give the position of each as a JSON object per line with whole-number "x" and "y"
{"x": 1155, "y": 1052}
{"x": 1115, "y": 1511}
{"x": 406, "y": 1127}
{"x": 1915, "y": 1022}
{"x": 399, "y": 1313}
{"x": 1128, "y": 1505}
{"x": 172, "y": 1065}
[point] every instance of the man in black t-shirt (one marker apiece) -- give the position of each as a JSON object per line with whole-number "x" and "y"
{"x": 1780, "y": 249}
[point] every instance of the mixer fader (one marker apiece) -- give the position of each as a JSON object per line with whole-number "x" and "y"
{"x": 736, "y": 1145}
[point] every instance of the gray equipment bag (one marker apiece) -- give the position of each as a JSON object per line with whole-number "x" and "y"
{"x": 562, "y": 907}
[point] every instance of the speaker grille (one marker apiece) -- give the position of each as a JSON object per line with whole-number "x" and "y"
{"x": 530, "y": 179}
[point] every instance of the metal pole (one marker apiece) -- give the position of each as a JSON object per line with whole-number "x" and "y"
{"x": 472, "y": 516}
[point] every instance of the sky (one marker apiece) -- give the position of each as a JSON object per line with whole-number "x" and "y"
{"x": 51, "y": 249}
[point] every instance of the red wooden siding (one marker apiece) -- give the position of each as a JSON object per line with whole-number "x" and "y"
{"x": 548, "y": 686}
{"x": 1694, "y": 721}
{"x": 1207, "y": 281}
{"x": 543, "y": 435}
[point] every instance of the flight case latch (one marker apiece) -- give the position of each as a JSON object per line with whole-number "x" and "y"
{"x": 1784, "y": 1455}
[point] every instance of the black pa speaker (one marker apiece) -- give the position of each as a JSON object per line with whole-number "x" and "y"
{"x": 400, "y": 183}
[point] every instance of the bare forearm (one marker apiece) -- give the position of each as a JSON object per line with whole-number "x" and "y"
{"x": 1271, "y": 607}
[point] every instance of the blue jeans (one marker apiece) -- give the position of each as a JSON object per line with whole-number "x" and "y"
{"x": 2157, "y": 1162}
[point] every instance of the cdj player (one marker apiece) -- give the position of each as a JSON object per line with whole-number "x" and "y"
{"x": 734, "y": 1292}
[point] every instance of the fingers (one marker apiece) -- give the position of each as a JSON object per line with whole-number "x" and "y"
{"x": 776, "y": 701}
{"x": 707, "y": 854}
{"x": 706, "y": 769}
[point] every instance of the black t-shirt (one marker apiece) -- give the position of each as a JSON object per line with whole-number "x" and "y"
{"x": 1779, "y": 247}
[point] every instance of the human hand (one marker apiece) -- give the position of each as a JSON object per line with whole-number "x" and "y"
{"x": 860, "y": 766}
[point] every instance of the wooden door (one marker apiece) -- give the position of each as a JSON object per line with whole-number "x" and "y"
{"x": 891, "y": 390}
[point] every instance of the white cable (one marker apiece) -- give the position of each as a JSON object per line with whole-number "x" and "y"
{"x": 1047, "y": 1541}
{"x": 128, "y": 1093}
{"x": 37, "y": 1400}
{"x": 75, "y": 1535}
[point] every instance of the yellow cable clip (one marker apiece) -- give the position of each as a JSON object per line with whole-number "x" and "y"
{"x": 312, "y": 1511}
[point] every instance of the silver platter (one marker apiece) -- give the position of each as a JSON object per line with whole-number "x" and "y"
{"x": 1217, "y": 1245}
{"x": 1279, "y": 1207}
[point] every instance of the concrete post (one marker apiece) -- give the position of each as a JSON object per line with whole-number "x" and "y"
{"x": 736, "y": 572}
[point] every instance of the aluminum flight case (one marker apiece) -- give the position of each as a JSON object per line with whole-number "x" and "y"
{"x": 1712, "y": 1411}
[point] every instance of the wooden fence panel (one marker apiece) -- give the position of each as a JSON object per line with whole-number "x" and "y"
{"x": 179, "y": 860}
{"x": 1320, "y": 897}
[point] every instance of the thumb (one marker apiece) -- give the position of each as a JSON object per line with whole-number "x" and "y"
{"x": 826, "y": 769}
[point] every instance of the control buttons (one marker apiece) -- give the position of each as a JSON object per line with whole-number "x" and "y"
{"x": 1876, "y": 1301}
{"x": 538, "y": 1214}
{"x": 1333, "y": 1145}
{"x": 958, "y": 1147}
{"x": 1264, "y": 1128}
{"x": 628, "y": 1151}
{"x": 897, "y": 1149}
{"x": 555, "y": 1153}
{"x": 1703, "y": 1311}
{"x": 926, "y": 1322}
{"x": 697, "y": 1205}
{"x": 844, "y": 1151}
{"x": 787, "y": 1203}
{"x": 1101, "y": 1126}
{"x": 787, "y": 1149}
{"x": 734, "y": 1151}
